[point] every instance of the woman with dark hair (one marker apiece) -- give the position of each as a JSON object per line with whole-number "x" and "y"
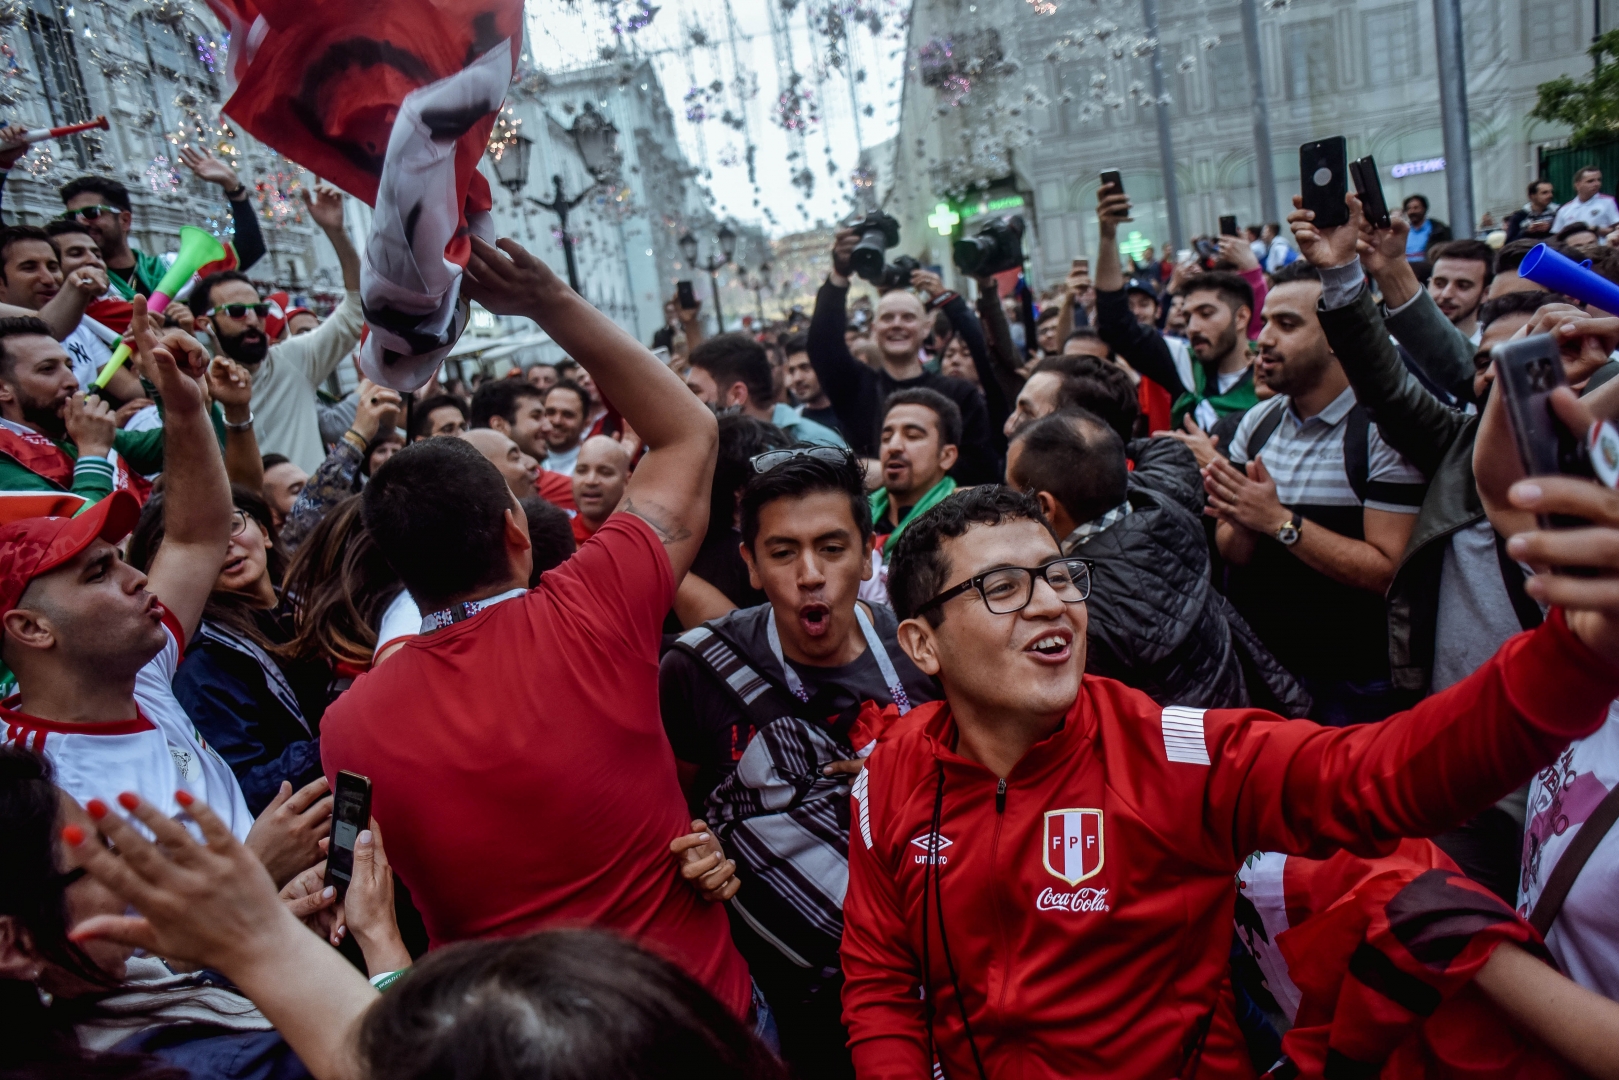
{"x": 261, "y": 714}
{"x": 560, "y": 1004}
{"x": 93, "y": 1010}
{"x": 340, "y": 587}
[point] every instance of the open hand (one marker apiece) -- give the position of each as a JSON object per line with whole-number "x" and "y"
{"x": 206, "y": 905}
{"x": 286, "y": 837}
{"x": 703, "y": 863}
{"x": 1204, "y": 447}
{"x": 209, "y": 168}
{"x": 507, "y": 280}
{"x": 325, "y": 206}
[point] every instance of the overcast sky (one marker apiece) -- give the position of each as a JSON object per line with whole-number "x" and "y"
{"x": 570, "y": 33}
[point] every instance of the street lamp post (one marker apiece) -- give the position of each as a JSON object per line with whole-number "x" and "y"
{"x": 727, "y": 242}
{"x": 759, "y": 282}
{"x": 595, "y": 137}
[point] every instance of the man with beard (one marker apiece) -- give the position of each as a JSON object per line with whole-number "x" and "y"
{"x": 285, "y": 375}
{"x": 1316, "y": 525}
{"x": 920, "y": 441}
{"x": 1462, "y": 270}
{"x": 857, "y": 392}
{"x": 52, "y": 438}
{"x": 1215, "y": 379}
{"x": 819, "y": 655}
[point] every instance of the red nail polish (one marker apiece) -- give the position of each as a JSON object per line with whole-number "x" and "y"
{"x": 96, "y": 809}
{"x": 72, "y": 835}
{"x": 128, "y": 801}
{"x": 184, "y": 798}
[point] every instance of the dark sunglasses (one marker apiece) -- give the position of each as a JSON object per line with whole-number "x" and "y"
{"x": 770, "y": 459}
{"x": 238, "y": 311}
{"x": 88, "y": 213}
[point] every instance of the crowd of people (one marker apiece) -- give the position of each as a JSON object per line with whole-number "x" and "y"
{"x": 1170, "y": 673}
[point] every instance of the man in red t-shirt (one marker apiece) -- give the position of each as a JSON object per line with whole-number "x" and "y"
{"x": 517, "y": 758}
{"x": 1048, "y": 855}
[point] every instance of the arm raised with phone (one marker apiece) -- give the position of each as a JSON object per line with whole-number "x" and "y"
{"x": 669, "y": 490}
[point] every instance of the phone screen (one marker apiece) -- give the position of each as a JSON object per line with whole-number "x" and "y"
{"x": 1228, "y": 225}
{"x": 1324, "y": 180}
{"x": 351, "y": 812}
{"x": 688, "y": 299}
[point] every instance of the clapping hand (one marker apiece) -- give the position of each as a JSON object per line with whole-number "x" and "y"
{"x": 703, "y": 863}
{"x": 1247, "y": 499}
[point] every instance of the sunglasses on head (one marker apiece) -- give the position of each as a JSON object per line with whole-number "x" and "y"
{"x": 238, "y": 311}
{"x": 88, "y": 213}
{"x": 770, "y": 459}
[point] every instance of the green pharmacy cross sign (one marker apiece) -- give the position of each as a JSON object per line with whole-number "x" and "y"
{"x": 1134, "y": 246}
{"x": 944, "y": 219}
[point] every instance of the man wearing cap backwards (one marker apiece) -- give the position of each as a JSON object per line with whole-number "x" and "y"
{"x": 94, "y": 643}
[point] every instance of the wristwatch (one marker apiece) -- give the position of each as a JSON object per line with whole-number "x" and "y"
{"x": 1287, "y": 533}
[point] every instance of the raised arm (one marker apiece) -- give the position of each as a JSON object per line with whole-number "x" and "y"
{"x": 231, "y": 385}
{"x": 669, "y": 490}
{"x": 64, "y": 310}
{"x": 1003, "y": 356}
{"x": 197, "y": 502}
{"x": 1142, "y": 347}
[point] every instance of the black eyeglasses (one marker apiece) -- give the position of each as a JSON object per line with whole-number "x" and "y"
{"x": 88, "y": 213}
{"x": 237, "y": 311}
{"x": 770, "y": 459}
{"x": 238, "y": 522}
{"x": 1008, "y": 589}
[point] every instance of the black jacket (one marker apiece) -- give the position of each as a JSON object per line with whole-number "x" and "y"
{"x": 1157, "y": 623}
{"x": 857, "y": 393}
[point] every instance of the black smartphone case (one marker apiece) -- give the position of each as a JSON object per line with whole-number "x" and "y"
{"x": 1324, "y": 180}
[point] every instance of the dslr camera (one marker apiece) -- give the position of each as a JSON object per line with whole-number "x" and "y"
{"x": 878, "y": 232}
{"x": 897, "y": 274}
{"x": 997, "y": 247}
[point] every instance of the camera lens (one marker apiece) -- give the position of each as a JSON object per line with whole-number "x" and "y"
{"x": 867, "y": 258}
{"x": 971, "y": 251}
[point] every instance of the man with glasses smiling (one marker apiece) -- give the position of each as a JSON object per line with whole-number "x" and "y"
{"x": 102, "y": 205}
{"x": 287, "y": 373}
{"x": 1040, "y": 865}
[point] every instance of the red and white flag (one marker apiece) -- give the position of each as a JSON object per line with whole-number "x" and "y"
{"x": 393, "y": 101}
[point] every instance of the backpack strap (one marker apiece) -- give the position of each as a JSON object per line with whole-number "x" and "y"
{"x": 1357, "y": 449}
{"x": 760, "y": 698}
{"x": 1575, "y": 856}
{"x": 1528, "y": 612}
{"x": 1263, "y": 430}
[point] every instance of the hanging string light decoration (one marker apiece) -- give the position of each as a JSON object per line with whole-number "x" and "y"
{"x": 795, "y": 106}
{"x": 278, "y": 193}
{"x": 504, "y": 135}
{"x": 161, "y": 176}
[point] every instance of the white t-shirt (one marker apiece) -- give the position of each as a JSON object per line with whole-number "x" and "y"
{"x": 153, "y": 755}
{"x": 402, "y": 620}
{"x": 1599, "y": 212}
{"x": 89, "y": 347}
{"x": 561, "y": 461}
{"x": 1585, "y": 938}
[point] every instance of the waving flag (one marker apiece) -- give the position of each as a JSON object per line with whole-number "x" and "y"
{"x": 393, "y": 101}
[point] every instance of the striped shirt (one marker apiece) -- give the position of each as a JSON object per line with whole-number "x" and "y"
{"x": 1306, "y": 459}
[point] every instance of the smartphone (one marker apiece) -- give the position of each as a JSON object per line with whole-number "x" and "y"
{"x": 1111, "y": 176}
{"x": 686, "y": 298}
{"x": 1370, "y": 189}
{"x": 1527, "y": 370}
{"x": 1228, "y": 225}
{"x": 1082, "y": 265}
{"x": 1324, "y": 180}
{"x": 351, "y": 812}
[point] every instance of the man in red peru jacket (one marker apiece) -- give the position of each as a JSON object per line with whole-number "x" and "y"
{"x": 1040, "y": 869}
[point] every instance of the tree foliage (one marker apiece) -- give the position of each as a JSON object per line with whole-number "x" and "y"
{"x": 1591, "y": 106}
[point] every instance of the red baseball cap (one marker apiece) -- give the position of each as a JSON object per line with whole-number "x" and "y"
{"x": 33, "y": 546}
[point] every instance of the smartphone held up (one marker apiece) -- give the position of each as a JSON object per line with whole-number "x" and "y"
{"x": 351, "y": 813}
